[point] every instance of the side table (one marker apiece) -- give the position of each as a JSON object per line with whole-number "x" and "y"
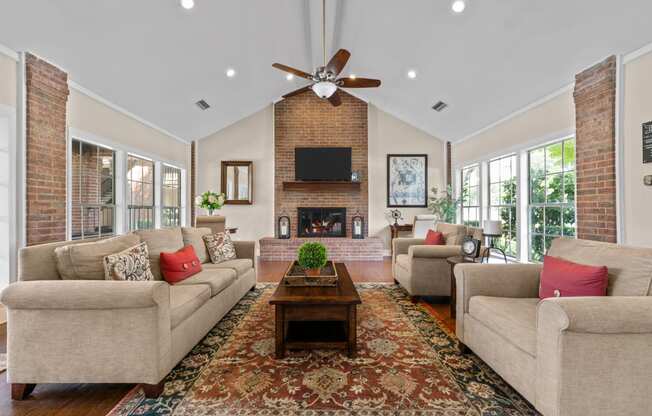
{"x": 453, "y": 261}
{"x": 395, "y": 229}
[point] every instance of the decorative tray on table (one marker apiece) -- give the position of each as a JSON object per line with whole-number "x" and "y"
{"x": 296, "y": 276}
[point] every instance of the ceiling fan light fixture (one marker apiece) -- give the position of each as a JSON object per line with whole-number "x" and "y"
{"x": 324, "y": 89}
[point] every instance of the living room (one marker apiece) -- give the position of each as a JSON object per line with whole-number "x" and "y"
{"x": 324, "y": 207}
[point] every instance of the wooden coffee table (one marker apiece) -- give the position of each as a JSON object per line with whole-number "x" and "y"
{"x": 317, "y": 317}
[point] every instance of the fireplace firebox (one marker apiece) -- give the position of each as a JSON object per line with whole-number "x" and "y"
{"x": 322, "y": 222}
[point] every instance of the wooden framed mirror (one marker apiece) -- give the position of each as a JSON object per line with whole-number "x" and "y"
{"x": 238, "y": 182}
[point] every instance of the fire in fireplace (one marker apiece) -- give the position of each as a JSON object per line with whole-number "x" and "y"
{"x": 322, "y": 222}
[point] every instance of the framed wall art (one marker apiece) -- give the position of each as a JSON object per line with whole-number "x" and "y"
{"x": 407, "y": 181}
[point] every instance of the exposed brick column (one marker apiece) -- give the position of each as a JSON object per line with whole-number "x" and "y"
{"x": 449, "y": 167}
{"x": 193, "y": 181}
{"x": 47, "y": 91}
{"x": 595, "y": 108}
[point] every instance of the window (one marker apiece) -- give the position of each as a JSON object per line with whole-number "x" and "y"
{"x": 140, "y": 193}
{"x": 6, "y": 201}
{"x": 502, "y": 201}
{"x": 552, "y": 195}
{"x": 471, "y": 195}
{"x": 92, "y": 191}
{"x": 170, "y": 196}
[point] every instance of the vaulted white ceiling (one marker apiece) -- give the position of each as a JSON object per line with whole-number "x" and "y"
{"x": 156, "y": 59}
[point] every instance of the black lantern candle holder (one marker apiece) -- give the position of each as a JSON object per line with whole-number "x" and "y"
{"x": 284, "y": 227}
{"x": 357, "y": 227}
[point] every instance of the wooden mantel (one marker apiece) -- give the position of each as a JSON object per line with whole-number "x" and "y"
{"x": 321, "y": 186}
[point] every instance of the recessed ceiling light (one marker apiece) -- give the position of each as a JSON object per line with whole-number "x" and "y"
{"x": 289, "y": 77}
{"x": 412, "y": 74}
{"x": 352, "y": 76}
{"x": 230, "y": 72}
{"x": 187, "y": 4}
{"x": 458, "y": 6}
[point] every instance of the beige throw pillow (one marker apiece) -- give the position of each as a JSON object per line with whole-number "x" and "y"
{"x": 131, "y": 264}
{"x": 220, "y": 247}
{"x": 84, "y": 261}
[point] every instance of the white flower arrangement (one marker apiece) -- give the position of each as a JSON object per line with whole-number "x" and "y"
{"x": 210, "y": 201}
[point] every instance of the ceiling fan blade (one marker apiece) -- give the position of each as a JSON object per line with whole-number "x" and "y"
{"x": 335, "y": 99}
{"x": 291, "y": 70}
{"x": 296, "y": 92}
{"x": 338, "y": 61}
{"x": 358, "y": 82}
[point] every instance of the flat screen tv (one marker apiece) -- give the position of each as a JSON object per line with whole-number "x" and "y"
{"x": 322, "y": 163}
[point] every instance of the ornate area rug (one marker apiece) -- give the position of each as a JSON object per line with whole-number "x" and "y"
{"x": 406, "y": 365}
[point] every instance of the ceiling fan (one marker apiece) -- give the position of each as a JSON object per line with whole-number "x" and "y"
{"x": 325, "y": 82}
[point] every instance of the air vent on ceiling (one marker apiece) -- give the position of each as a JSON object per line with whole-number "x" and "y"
{"x": 202, "y": 104}
{"x": 440, "y": 106}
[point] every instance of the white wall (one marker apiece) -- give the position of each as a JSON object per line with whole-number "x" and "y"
{"x": 387, "y": 135}
{"x": 549, "y": 120}
{"x": 637, "y": 110}
{"x": 7, "y": 81}
{"x": 251, "y": 139}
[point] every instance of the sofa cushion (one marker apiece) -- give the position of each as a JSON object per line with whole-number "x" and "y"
{"x": 453, "y": 233}
{"x": 164, "y": 240}
{"x": 185, "y": 300}
{"x": 193, "y": 236}
{"x": 630, "y": 268}
{"x": 220, "y": 247}
{"x": 241, "y": 266}
{"x": 130, "y": 264}
{"x": 85, "y": 261}
{"x": 217, "y": 279}
{"x": 515, "y": 319}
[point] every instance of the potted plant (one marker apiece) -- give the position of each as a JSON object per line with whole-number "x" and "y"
{"x": 312, "y": 257}
{"x": 443, "y": 204}
{"x": 210, "y": 201}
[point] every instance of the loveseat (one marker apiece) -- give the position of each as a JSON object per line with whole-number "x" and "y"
{"x": 80, "y": 328}
{"x": 569, "y": 356}
{"x": 422, "y": 269}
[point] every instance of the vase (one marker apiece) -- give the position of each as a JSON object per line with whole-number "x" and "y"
{"x": 210, "y": 211}
{"x": 313, "y": 272}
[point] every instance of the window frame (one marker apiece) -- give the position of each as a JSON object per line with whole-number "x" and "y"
{"x": 179, "y": 188}
{"x": 129, "y": 197}
{"x": 561, "y": 205}
{"x": 479, "y": 207}
{"x": 515, "y": 232}
{"x": 98, "y": 206}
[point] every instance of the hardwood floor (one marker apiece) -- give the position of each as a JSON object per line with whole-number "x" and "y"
{"x": 99, "y": 399}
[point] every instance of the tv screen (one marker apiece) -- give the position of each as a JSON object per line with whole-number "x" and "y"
{"x": 322, "y": 163}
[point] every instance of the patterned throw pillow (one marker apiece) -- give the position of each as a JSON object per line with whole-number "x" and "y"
{"x": 220, "y": 247}
{"x": 130, "y": 264}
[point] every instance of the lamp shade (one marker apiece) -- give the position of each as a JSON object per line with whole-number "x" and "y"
{"x": 493, "y": 227}
{"x": 324, "y": 89}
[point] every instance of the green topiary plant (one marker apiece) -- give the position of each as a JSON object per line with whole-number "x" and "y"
{"x": 312, "y": 256}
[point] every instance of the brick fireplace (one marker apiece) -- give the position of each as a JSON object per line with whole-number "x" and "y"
{"x": 306, "y": 121}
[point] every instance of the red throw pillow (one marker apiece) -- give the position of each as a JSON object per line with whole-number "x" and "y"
{"x": 179, "y": 266}
{"x": 435, "y": 238}
{"x": 562, "y": 278}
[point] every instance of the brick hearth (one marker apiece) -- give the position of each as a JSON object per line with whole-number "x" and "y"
{"x": 339, "y": 249}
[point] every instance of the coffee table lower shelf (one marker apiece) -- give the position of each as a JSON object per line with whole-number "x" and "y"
{"x": 309, "y": 332}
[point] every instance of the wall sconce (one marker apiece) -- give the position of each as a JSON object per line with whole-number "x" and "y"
{"x": 284, "y": 227}
{"x": 357, "y": 226}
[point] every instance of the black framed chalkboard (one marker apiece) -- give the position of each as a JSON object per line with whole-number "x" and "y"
{"x": 647, "y": 142}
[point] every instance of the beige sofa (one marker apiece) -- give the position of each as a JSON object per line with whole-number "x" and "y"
{"x": 567, "y": 356}
{"x": 99, "y": 331}
{"x": 421, "y": 269}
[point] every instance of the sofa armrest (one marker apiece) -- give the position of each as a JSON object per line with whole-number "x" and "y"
{"x": 88, "y": 331}
{"x": 84, "y": 294}
{"x": 498, "y": 280}
{"x": 402, "y": 245}
{"x": 246, "y": 250}
{"x": 594, "y": 350}
{"x": 434, "y": 252}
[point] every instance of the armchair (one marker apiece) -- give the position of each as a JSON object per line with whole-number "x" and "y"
{"x": 567, "y": 356}
{"x": 422, "y": 269}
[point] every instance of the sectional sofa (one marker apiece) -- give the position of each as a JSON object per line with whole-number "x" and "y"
{"x": 79, "y": 328}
